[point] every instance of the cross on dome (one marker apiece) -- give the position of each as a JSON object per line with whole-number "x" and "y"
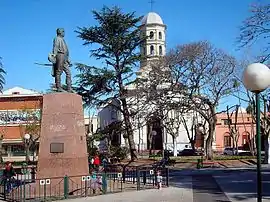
{"x": 152, "y": 4}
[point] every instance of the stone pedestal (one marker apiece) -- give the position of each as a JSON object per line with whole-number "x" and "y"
{"x": 62, "y": 143}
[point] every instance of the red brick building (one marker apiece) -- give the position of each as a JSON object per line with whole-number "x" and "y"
{"x": 13, "y": 103}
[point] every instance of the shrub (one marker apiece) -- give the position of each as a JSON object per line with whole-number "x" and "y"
{"x": 155, "y": 155}
{"x": 92, "y": 151}
{"x": 118, "y": 152}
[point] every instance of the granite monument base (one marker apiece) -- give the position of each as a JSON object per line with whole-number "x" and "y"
{"x": 62, "y": 144}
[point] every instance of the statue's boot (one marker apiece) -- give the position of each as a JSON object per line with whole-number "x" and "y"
{"x": 69, "y": 86}
{"x": 71, "y": 90}
{"x": 58, "y": 82}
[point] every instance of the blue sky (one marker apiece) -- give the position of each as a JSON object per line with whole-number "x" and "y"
{"x": 28, "y": 27}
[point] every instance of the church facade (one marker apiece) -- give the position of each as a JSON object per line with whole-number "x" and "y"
{"x": 151, "y": 135}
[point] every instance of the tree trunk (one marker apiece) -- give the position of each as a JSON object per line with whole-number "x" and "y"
{"x": 192, "y": 143}
{"x": 150, "y": 145}
{"x": 130, "y": 136}
{"x": 174, "y": 147}
{"x": 109, "y": 144}
{"x": 234, "y": 146}
{"x": 208, "y": 147}
{"x": 150, "y": 140}
{"x": 1, "y": 148}
{"x": 126, "y": 142}
{"x": 27, "y": 158}
{"x": 251, "y": 141}
{"x": 209, "y": 141}
{"x": 236, "y": 139}
{"x": 267, "y": 150}
{"x": 132, "y": 146}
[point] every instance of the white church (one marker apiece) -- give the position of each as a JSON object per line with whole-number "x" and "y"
{"x": 154, "y": 47}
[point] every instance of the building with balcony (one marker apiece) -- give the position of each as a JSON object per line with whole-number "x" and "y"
{"x": 16, "y": 106}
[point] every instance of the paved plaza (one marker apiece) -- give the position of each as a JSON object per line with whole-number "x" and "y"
{"x": 210, "y": 186}
{"x": 222, "y": 185}
{"x": 171, "y": 194}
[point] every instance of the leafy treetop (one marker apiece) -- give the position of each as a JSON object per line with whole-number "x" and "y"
{"x": 117, "y": 37}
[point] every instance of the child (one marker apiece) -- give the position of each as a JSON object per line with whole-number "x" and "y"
{"x": 159, "y": 180}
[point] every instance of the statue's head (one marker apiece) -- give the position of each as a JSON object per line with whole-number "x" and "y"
{"x": 60, "y": 32}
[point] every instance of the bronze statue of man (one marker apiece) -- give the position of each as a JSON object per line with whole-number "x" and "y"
{"x": 60, "y": 59}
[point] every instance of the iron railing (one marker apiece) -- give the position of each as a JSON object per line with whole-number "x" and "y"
{"x": 112, "y": 179}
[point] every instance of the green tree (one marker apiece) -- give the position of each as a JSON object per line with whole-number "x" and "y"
{"x": 2, "y": 73}
{"x": 3, "y": 132}
{"x": 116, "y": 38}
{"x": 31, "y": 126}
{"x": 2, "y": 82}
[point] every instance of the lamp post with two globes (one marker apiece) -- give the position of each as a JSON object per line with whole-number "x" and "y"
{"x": 256, "y": 78}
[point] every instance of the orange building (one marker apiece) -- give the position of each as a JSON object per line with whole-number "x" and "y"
{"x": 13, "y": 104}
{"x": 244, "y": 125}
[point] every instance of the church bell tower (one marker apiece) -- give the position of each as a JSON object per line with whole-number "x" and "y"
{"x": 155, "y": 44}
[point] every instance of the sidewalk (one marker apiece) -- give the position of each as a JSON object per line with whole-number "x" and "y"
{"x": 170, "y": 194}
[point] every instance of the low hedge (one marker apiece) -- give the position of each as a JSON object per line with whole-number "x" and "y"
{"x": 20, "y": 163}
{"x": 195, "y": 158}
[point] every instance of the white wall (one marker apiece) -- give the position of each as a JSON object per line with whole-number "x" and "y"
{"x": 108, "y": 114}
{"x": 140, "y": 133}
{"x": 91, "y": 120}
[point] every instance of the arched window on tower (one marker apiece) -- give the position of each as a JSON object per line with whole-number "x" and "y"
{"x": 160, "y": 35}
{"x": 160, "y": 50}
{"x": 152, "y": 51}
{"x": 151, "y": 35}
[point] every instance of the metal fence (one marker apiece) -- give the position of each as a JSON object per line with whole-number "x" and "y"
{"x": 113, "y": 179}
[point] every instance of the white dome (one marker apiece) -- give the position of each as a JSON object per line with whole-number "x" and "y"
{"x": 152, "y": 18}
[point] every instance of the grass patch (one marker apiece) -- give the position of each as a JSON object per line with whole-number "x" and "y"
{"x": 233, "y": 157}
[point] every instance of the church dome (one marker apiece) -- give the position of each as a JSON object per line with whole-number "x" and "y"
{"x": 152, "y": 18}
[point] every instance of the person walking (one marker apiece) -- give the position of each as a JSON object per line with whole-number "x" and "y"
{"x": 96, "y": 162}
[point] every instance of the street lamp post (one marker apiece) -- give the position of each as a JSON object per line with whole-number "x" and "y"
{"x": 200, "y": 130}
{"x": 256, "y": 79}
{"x": 26, "y": 139}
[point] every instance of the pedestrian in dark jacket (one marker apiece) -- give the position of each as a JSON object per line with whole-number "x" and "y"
{"x": 8, "y": 175}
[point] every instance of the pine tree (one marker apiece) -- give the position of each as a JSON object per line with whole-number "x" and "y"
{"x": 2, "y": 73}
{"x": 116, "y": 39}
